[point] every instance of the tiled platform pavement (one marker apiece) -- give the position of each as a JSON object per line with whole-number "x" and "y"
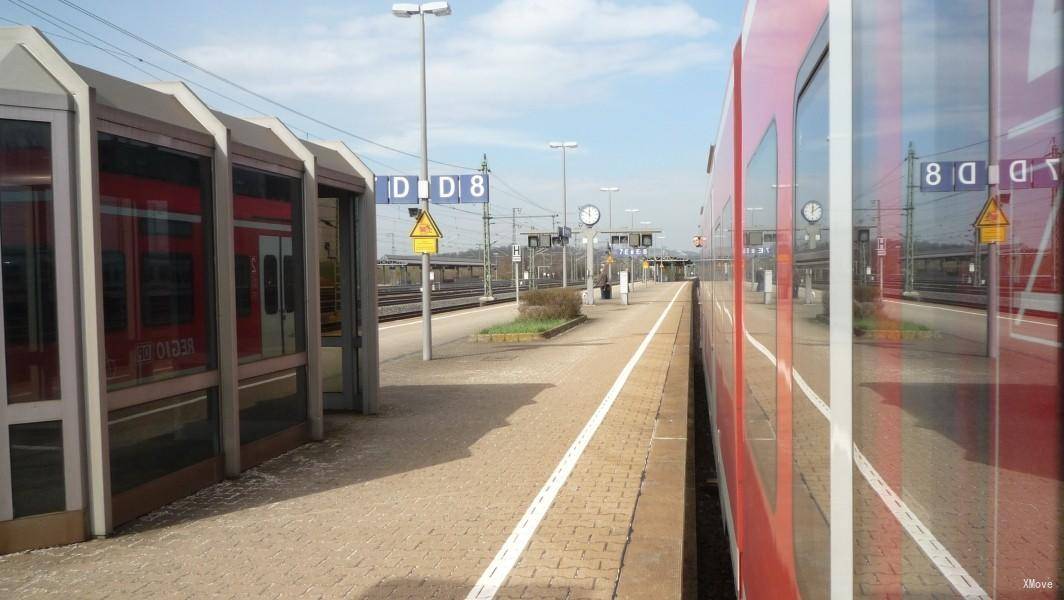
{"x": 416, "y": 501}
{"x": 577, "y": 550}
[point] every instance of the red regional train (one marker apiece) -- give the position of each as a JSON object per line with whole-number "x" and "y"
{"x": 156, "y": 253}
{"x": 877, "y": 434}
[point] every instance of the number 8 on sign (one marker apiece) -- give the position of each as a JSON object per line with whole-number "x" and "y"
{"x": 473, "y": 189}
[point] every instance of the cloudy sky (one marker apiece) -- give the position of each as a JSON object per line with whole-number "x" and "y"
{"x": 638, "y": 83}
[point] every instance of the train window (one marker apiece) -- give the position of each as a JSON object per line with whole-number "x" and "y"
{"x": 156, "y": 258}
{"x": 759, "y": 280}
{"x": 31, "y": 351}
{"x": 957, "y": 389}
{"x": 267, "y": 210}
{"x": 289, "y": 279}
{"x": 243, "y": 285}
{"x": 810, "y": 364}
{"x": 269, "y": 284}
{"x": 114, "y": 290}
{"x": 166, "y": 289}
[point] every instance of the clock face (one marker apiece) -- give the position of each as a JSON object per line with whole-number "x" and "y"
{"x": 812, "y": 211}
{"x": 589, "y": 215}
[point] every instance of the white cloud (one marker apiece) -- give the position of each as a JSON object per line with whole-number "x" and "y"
{"x": 518, "y": 57}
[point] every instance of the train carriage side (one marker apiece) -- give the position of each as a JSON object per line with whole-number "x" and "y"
{"x": 942, "y": 409}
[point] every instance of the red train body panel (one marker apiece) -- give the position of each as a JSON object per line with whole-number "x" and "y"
{"x": 937, "y": 423}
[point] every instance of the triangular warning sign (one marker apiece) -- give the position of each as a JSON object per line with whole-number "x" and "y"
{"x": 425, "y": 227}
{"x": 991, "y": 216}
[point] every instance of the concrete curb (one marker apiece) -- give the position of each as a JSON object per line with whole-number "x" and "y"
{"x": 659, "y": 561}
{"x": 528, "y": 337}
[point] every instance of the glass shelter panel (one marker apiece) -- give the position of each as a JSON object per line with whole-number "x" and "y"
{"x": 155, "y": 439}
{"x": 331, "y": 273}
{"x": 37, "y": 481}
{"x": 759, "y": 310}
{"x": 268, "y": 242}
{"x": 272, "y": 403}
{"x": 810, "y": 429}
{"x": 960, "y": 426}
{"x": 157, "y": 269}
{"x": 31, "y": 350}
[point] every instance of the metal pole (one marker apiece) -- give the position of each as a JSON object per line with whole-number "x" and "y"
{"x": 515, "y": 267}
{"x": 426, "y": 266}
{"x": 565, "y": 221}
{"x": 609, "y": 242}
{"x": 487, "y": 238}
{"x": 993, "y": 292}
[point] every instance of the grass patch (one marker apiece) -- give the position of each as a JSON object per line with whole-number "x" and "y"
{"x": 885, "y": 324}
{"x": 525, "y": 326}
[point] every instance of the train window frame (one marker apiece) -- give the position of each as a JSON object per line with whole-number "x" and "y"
{"x": 812, "y": 564}
{"x": 115, "y": 316}
{"x": 186, "y": 310}
{"x": 768, "y": 479}
{"x": 242, "y": 284}
{"x": 271, "y": 303}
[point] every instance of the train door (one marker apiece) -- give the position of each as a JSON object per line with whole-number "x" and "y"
{"x": 271, "y": 311}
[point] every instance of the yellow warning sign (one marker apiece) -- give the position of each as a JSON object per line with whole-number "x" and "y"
{"x": 646, "y": 264}
{"x": 609, "y": 259}
{"x": 425, "y": 227}
{"x": 992, "y": 223}
{"x": 426, "y": 245}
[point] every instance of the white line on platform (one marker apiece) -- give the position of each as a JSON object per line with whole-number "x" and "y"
{"x": 495, "y": 575}
{"x": 950, "y": 567}
{"x": 971, "y": 312}
{"x": 459, "y": 314}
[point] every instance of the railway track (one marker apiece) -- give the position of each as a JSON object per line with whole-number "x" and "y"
{"x": 400, "y": 295}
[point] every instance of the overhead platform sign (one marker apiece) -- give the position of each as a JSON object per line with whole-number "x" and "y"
{"x": 426, "y": 234}
{"x": 443, "y": 189}
{"x": 992, "y": 223}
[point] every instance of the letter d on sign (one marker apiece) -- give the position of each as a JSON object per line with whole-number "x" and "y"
{"x": 444, "y": 189}
{"x": 970, "y": 175}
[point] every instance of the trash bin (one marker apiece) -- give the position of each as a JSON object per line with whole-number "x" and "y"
{"x": 607, "y": 292}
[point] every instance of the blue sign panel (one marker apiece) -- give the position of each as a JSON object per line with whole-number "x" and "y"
{"x": 395, "y": 189}
{"x": 969, "y": 175}
{"x": 474, "y": 188}
{"x": 936, "y": 176}
{"x": 443, "y": 189}
{"x": 380, "y": 189}
{"x": 1045, "y": 172}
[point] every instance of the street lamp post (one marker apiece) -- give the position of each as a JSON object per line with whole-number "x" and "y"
{"x": 565, "y": 213}
{"x": 405, "y": 10}
{"x": 631, "y": 259}
{"x": 661, "y": 255}
{"x": 609, "y": 245}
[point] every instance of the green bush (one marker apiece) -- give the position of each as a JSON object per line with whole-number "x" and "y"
{"x": 866, "y": 302}
{"x": 558, "y": 303}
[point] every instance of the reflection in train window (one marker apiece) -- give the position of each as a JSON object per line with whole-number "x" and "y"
{"x": 267, "y": 211}
{"x": 243, "y": 285}
{"x": 269, "y": 284}
{"x": 809, "y": 338}
{"x": 289, "y": 279}
{"x": 166, "y": 289}
{"x": 31, "y": 353}
{"x": 156, "y": 261}
{"x": 114, "y": 290}
{"x": 759, "y": 309}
